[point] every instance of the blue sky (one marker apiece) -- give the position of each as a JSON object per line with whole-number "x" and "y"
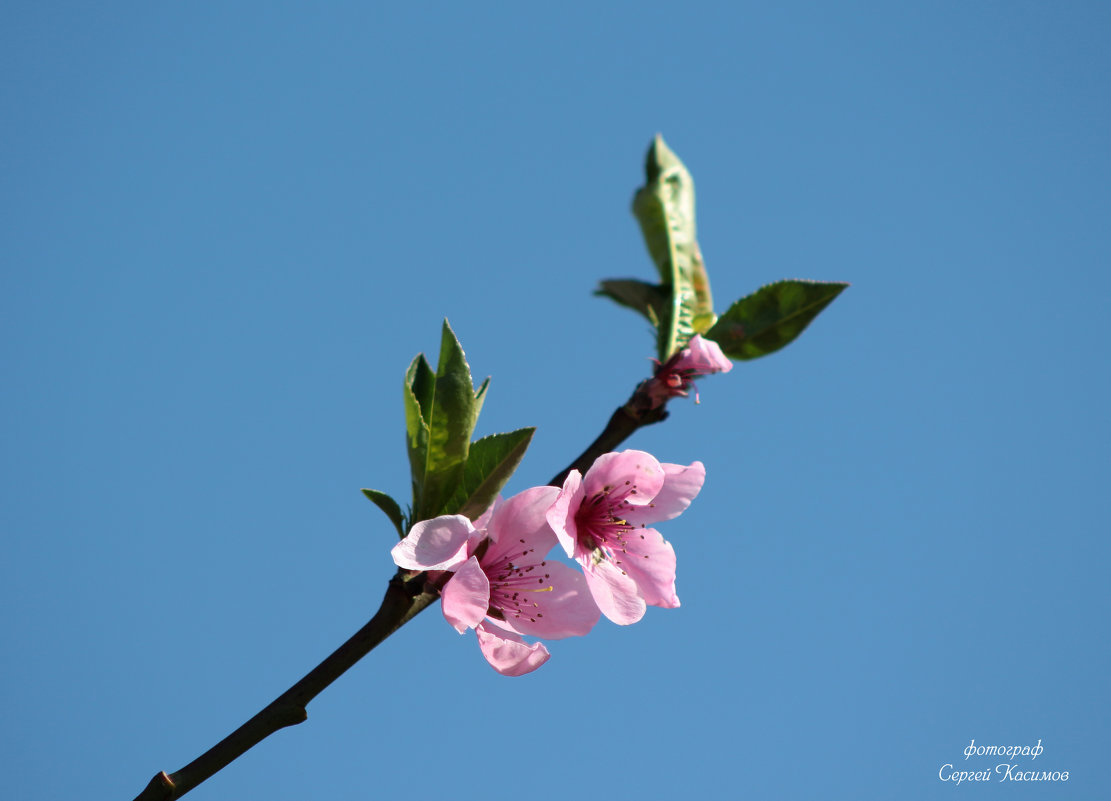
{"x": 228, "y": 228}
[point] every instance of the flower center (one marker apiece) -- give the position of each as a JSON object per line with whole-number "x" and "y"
{"x": 512, "y": 582}
{"x": 601, "y": 520}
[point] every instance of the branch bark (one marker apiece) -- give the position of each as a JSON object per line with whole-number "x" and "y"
{"x": 639, "y": 411}
{"x": 406, "y": 596}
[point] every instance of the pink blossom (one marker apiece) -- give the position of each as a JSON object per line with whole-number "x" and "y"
{"x": 502, "y": 586}
{"x": 676, "y": 376}
{"x": 601, "y": 520}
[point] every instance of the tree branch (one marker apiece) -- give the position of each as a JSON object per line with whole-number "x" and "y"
{"x": 407, "y": 595}
{"x": 640, "y": 410}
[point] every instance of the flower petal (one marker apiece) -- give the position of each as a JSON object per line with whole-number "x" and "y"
{"x": 626, "y": 468}
{"x": 704, "y": 356}
{"x": 522, "y": 518}
{"x": 438, "y": 544}
{"x": 466, "y": 597}
{"x": 681, "y": 486}
{"x": 565, "y": 609}
{"x": 614, "y": 592}
{"x": 484, "y": 519}
{"x": 561, "y": 515}
{"x": 649, "y": 560}
{"x": 507, "y": 653}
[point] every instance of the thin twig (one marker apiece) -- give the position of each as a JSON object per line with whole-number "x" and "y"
{"x": 406, "y": 595}
{"x": 639, "y": 411}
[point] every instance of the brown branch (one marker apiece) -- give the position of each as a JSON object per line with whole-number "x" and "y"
{"x": 640, "y": 410}
{"x": 408, "y": 593}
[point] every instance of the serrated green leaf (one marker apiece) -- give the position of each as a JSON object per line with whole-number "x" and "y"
{"x": 664, "y": 207}
{"x": 390, "y": 507}
{"x": 490, "y": 463}
{"x": 448, "y": 406}
{"x": 771, "y": 317}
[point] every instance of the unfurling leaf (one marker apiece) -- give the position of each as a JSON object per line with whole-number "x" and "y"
{"x": 441, "y": 409}
{"x": 419, "y": 391}
{"x": 664, "y": 207}
{"x": 648, "y": 299}
{"x": 771, "y": 317}
{"x": 390, "y": 507}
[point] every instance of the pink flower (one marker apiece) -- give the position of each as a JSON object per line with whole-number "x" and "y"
{"x": 676, "y": 376}
{"x": 601, "y": 520}
{"x": 502, "y": 585}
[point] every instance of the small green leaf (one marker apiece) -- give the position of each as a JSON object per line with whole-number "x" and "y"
{"x": 771, "y": 317}
{"x": 390, "y": 507}
{"x": 490, "y": 463}
{"x": 419, "y": 390}
{"x": 648, "y": 299}
{"x": 440, "y": 414}
{"x": 664, "y": 207}
{"x": 420, "y": 386}
{"x": 421, "y": 381}
{"x": 479, "y": 399}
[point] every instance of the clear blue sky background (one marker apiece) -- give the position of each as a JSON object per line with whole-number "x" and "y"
{"x": 225, "y": 229}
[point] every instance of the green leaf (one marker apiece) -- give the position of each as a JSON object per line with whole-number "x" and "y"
{"x": 390, "y": 507}
{"x": 490, "y": 463}
{"x": 649, "y": 299}
{"x": 664, "y": 207}
{"x": 419, "y": 390}
{"x": 771, "y": 317}
{"x": 479, "y": 399}
{"x": 440, "y": 415}
{"x": 421, "y": 381}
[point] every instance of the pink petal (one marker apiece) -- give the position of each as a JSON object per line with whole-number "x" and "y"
{"x": 561, "y": 515}
{"x": 438, "y": 544}
{"x": 681, "y": 486}
{"x": 649, "y": 560}
{"x": 507, "y": 653}
{"x": 522, "y": 517}
{"x": 483, "y": 519}
{"x": 566, "y": 610}
{"x": 617, "y": 470}
{"x": 614, "y": 592}
{"x": 704, "y": 356}
{"x": 466, "y": 597}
